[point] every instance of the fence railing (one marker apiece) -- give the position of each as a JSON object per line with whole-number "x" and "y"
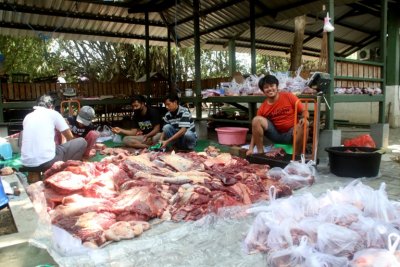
{"x": 23, "y": 91}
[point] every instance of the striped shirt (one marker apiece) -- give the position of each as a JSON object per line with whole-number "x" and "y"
{"x": 182, "y": 119}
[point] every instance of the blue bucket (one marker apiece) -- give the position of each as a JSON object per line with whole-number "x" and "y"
{"x": 3, "y": 196}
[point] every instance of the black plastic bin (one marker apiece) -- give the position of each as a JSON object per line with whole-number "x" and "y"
{"x": 354, "y": 161}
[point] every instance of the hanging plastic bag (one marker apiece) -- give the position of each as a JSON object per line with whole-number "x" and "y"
{"x": 328, "y": 27}
{"x": 364, "y": 140}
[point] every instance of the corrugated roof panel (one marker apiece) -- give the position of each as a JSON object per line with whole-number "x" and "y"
{"x": 230, "y": 16}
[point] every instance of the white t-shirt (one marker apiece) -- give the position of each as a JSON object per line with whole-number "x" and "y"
{"x": 61, "y": 80}
{"x": 38, "y": 145}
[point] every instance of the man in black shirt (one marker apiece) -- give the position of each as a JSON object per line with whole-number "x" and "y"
{"x": 145, "y": 129}
{"x": 179, "y": 129}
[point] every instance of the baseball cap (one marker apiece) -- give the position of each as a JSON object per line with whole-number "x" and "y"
{"x": 85, "y": 115}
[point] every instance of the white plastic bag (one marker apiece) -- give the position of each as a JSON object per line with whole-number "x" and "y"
{"x": 104, "y": 131}
{"x": 65, "y": 244}
{"x": 300, "y": 174}
{"x": 117, "y": 138}
{"x": 378, "y": 206}
{"x": 373, "y": 257}
{"x": 338, "y": 240}
{"x": 292, "y": 256}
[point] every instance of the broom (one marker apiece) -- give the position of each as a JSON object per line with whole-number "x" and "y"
{"x": 323, "y": 57}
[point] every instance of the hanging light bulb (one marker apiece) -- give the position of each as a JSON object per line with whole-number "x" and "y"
{"x": 328, "y": 27}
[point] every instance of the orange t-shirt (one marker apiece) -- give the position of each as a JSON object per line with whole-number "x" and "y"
{"x": 281, "y": 113}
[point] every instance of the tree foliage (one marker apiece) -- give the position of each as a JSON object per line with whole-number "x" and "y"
{"x": 103, "y": 61}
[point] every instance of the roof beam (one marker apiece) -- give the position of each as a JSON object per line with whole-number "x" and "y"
{"x": 269, "y": 12}
{"x": 365, "y": 9}
{"x": 338, "y": 22}
{"x": 150, "y": 6}
{"x": 40, "y": 28}
{"x": 363, "y": 43}
{"x": 210, "y": 10}
{"x": 171, "y": 29}
{"x": 262, "y": 47}
{"x": 289, "y": 29}
{"x": 77, "y": 15}
{"x": 287, "y": 46}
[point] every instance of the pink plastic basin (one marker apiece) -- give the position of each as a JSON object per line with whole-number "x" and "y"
{"x": 231, "y": 135}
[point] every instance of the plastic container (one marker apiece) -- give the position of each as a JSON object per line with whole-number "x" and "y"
{"x": 354, "y": 161}
{"x": 3, "y": 196}
{"x": 6, "y": 150}
{"x": 232, "y": 135}
{"x": 14, "y": 142}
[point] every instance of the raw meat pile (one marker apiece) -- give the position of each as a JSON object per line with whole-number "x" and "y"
{"x": 354, "y": 226}
{"x": 102, "y": 202}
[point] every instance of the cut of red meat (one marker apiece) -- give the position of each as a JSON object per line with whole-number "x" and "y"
{"x": 132, "y": 216}
{"x": 98, "y": 190}
{"x": 142, "y": 200}
{"x": 66, "y": 182}
{"x": 60, "y": 165}
{"x": 53, "y": 198}
{"x": 76, "y": 205}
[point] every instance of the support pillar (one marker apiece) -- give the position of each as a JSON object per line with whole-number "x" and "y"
{"x": 328, "y": 138}
{"x": 380, "y": 134}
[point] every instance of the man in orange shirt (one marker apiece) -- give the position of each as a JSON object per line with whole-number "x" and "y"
{"x": 275, "y": 117}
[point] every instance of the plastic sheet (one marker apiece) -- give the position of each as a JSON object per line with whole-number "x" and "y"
{"x": 215, "y": 240}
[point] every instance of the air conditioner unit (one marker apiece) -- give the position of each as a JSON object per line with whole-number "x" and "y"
{"x": 365, "y": 54}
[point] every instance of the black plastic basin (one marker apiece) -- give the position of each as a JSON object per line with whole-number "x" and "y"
{"x": 354, "y": 161}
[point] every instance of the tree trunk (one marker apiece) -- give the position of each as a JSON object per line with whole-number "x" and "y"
{"x": 297, "y": 47}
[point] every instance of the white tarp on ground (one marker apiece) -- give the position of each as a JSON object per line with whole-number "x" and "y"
{"x": 215, "y": 240}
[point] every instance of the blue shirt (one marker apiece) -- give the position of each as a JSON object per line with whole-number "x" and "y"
{"x": 181, "y": 118}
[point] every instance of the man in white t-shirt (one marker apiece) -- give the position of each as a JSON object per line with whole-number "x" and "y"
{"x": 39, "y": 148}
{"x": 61, "y": 76}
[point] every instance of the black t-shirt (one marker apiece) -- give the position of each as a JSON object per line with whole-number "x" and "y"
{"x": 146, "y": 122}
{"x": 76, "y": 130}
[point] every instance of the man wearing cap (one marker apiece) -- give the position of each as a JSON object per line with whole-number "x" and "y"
{"x": 39, "y": 148}
{"x": 82, "y": 126}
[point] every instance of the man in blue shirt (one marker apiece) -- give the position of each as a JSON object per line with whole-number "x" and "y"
{"x": 179, "y": 129}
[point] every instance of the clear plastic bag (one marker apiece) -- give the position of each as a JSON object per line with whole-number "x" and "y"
{"x": 280, "y": 236}
{"x": 378, "y": 206}
{"x": 117, "y": 138}
{"x": 339, "y": 214}
{"x": 256, "y": 239}
{"x": 276, "y": 173}
{"x": 374, "y": 233}
{"x": 299, "y": 174}
{"x": 373, "y": 257}
{"x": 292, "y": 256}
{"x": 338, "y": 240}
{"x": 318, "y": 259}
{"x": 105, "y": 131}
